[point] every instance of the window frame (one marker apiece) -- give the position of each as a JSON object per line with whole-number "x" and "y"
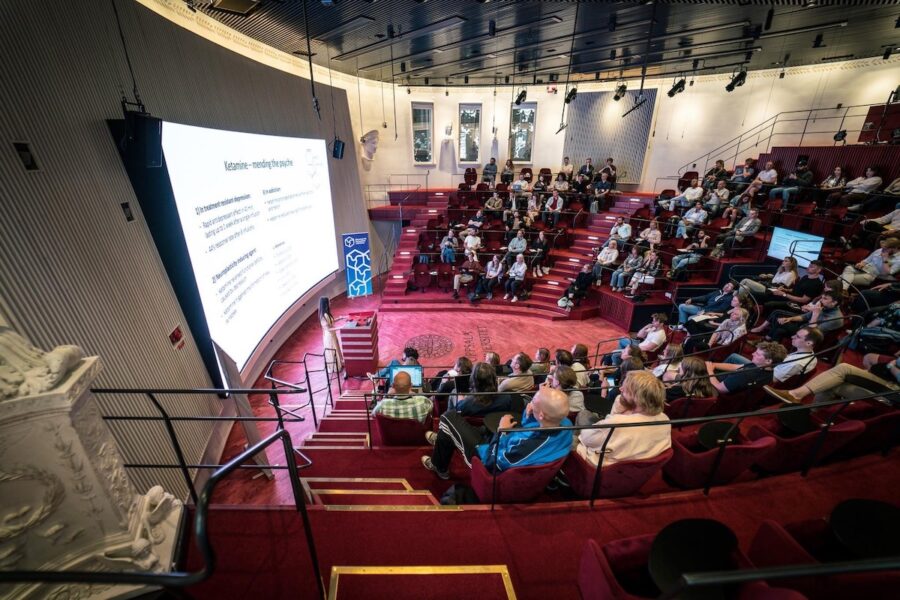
{"x": 468, "y": 106}
{"x": 512, "y": 107}
{"x": 415, "y": 105}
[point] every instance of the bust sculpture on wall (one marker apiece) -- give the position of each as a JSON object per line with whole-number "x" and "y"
{"x": 26, "y": 370}
{"x": 369, "y": 143}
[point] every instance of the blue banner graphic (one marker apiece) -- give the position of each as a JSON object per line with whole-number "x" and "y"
{"x": 358, "y": 263}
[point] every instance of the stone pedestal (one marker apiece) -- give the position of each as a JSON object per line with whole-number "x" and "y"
{"x": 66, "y": 502}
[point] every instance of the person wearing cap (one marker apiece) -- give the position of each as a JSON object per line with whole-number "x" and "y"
{"x": 802, "y": 177}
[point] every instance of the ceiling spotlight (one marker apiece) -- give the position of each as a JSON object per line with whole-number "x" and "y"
{"x": 817, "y": 43}
{"x": 769, "y": 16}
{"x": 506, "y": 79}
{"x": 408, "y": 91}
{"x": 492, "y": 28}
{"x": 737, "y": 81}
{"x": 466, "y": 79}
{"x": 840, "y": 136}
{"x": 426, "y": 81}
{"x": 521, "y": 97}
{"x": 620, "y": 91}
{"x": 446, "y": 92}
{"x": 571, "y": 95}
{"x": 403, "y": 67}
{"x": 781, "y": 75}
{"x": 677, "y": 88}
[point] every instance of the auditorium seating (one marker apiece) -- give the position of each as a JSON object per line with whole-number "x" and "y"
{"x": 691, "y": 464}
{"x": 793, "y": 452}
{"x": 400, "y": 432}
{"x": 618, "y": 480}
{"x": 517, "y": 484}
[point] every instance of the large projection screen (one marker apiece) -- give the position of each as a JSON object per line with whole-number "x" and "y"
{"x": 257, "y": 218}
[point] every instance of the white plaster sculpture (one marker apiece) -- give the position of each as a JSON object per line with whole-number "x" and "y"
{"x": 369, "y": 144}
{"x": 136, "y": 555}
{"x": 26, "y": 370}
{"x": 159, "y": 504}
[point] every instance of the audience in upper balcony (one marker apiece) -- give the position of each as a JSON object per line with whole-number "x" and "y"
{"x": 477, "y": 222}
{"x": 520, "y": 185}
{"x": 689, "y": 196}
{"x": 494, "y": 206}
{"x": 877, "y": 199}
{"x": 745, "y": 228}
{"x": 691, "y": 381}
{"x": 646, "y": 272}
{"x": 650, "y": 237}
{"x": 521, "y": 379}
{"x": 517, "y": 246}
{"x": 472, "y": 242}
{"x": 641, "y": 399}
{"x": 602, "y": 189}
{"x": 883, "y": 264}
{"x": 621, "y": 232}
{"x": 562, "y": 183}
{"x": 449, "y": 246}
{"x": 692, "y": 220}
{"x": 731, "y": 379}
{"x": 587, "y": 170}
{"x": 743, "y": 174}
{"x": 606, "y": 259}
{"x": 533, "y": 208}
{"x": 468, "y": 272}
{"x": 622, "y": 276}
{"x": 768, "y": 176}
{"x": 581, "y": 185}
{"x": 567, "y": 168}
{"x": 401, "y": 404}
{"x": 717, "y": 198}
{"x": 489, "y": 175}
{"x": 610, "y": 169}
{"x": 552, "y": 209}
{"x": 712, "y": 177}
{"x": 844, "y": 381}
{"x": 509, "y": 172}
{"x": 856, "y": 190}
{"x": 784, "y": 277}
{"x": 515, "y": 277}
{"x": 740, "y": 205}
{"x": 690, "y": 254}
{"x": 515, "y": 221}
{"x": 801, "y": 178}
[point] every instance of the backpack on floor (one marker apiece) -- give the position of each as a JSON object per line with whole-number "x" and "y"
{"x": 458, "y": 494}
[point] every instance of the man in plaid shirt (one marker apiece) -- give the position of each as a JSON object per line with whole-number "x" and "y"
{"x": 401, "y": 405}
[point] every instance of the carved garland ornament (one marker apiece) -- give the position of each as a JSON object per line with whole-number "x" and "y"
{"x": 19, "y": 521}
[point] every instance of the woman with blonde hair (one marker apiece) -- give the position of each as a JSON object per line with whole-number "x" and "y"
{"x": 693, "y": 381}
{"x": 641, "y": 399}
{"x": 669, "y": 362}
{"x": 784, "y": 277}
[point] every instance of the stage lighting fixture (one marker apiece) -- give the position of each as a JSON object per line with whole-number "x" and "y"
{"x": 521, "y": 97}
{"x": 571, "y": 95}
{"x": 737, "y": 81}
{"x": 620, "y": 91}
{"x": 840, "y": 136}
{"x": 677, "y": 88}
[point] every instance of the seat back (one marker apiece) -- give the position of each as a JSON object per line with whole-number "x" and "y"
{"x": 596, "y": 579}
{"x": 685, "y": 180}
{"x": 882, "y": 424}
{"x": 792, "y": 453}
{"x": 518, "y": 484}
{"x": 471, "y": 176}
{"x": 617, "y": 480}
{"x": 689, "y": 408}
{"x": 400, "y": 432}
{"x": 690, "y": 468}
{"x": 526, "y": 174}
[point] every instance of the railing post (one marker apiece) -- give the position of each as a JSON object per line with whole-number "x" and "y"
{"x": 820, "y": 441}
{"x": 495, "y": 448}
{"x": 722, "y": 445}
{"x": 179, "y": 454}
{"x": 598, "y": 474}
{"x": 309, "y": 389}
{"x": 368, "y": 418}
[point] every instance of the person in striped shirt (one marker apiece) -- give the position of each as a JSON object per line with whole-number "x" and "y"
{"x": 400, "y": 404}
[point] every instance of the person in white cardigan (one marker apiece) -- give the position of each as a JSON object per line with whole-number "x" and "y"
{"x": 641, "y": 399}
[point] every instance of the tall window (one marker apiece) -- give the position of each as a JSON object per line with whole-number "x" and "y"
{"x": 521, "y": 128}
{"x": 469, "y": 132}
{"x": 423, "y": 132}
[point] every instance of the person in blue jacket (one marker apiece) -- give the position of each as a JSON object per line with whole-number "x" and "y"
{"x": 548, "y": 408}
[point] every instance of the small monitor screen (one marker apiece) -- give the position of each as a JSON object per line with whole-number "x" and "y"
{"x": 802, "y": 246}
{"x": 415, "y": 374}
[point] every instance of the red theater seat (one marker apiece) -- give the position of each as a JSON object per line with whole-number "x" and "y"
{"x": 401, "y": 432}
{"x": 618, "y": 480}
{"x": 519, "y": 484}
{"x": 689, "y": 408}
{"x": 793, "y": 453}
{"x": 691, "y": 465}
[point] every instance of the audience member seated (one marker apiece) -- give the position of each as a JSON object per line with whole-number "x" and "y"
{"x": 650, "y": 338}
{"x": 410, "y": 358}
{"x": 715, "y": 302}
{"x": 650, "y": 236}
{"x": 517, "y": 246}
{"x": 565, "y": 379}
{"x": 539, "y": 247}
{"x": 548, "y": 408}
{"x": 602, "y": 189}
{"x": 874, "y": 230}
{"x": 882, "y": 332}
{"x": 610, "y": 169}
{"x": 689, "y": 196}
{"x": 493, "y": 359}
{"x": 472, "y": 243}
{"x": 833, "y": 183}
{"x": 731, "y": 379}
{"x": 483, "y": 381}
{"x": 620, "y": 232}
{"x": 883, "y": 264}
{"x": 562, "y": 183}
{"x": 626, "y": 270}
{"x": 521, "y": 379}
{"x": 784, "y": 277}
{"x": 581, "y": 185}
{"x": 739, "y": 206}
{"x": 541, "y": 364}
{"x": 494, "y": 206}
{"x": 721, "y": 331}
{"x": 449, "y": 246}
{"x": 803, "y": 291}
{"x": 520, "y": 185}
{"x": 400, "y": 404}
{"x": 731, "y": 329}
{"x": 578, "y": 289}
{"x": 717, "y": 198}
{"x": 552, "y": 209}
{"x": 768, "y": 176}
{"x": 857, "y": 190}
{"x": 455, "y": 381}
{"x": 691, "y": 221}
{"x": 743, "y": 174}
{"x": 746, "y": 227}
{"x": 715, "y": 175}
{"x": 669, "y": 361}
{"x": 825, "y": 314}
{"x": 515, "y": 277}
{"x": 509, "y": 172}
{"x": 533, "y": 208}
{"x": 841, "y": 382}
{"x": 799, "y": 362}
{"x": 691, "y": 381}
{"x": 689, "y": 255}
{"x": 581, "y": 364}
{"x": 641, "y": 399}
{"x": 567, "y": 168}
{"x": 493, "y": 271}
{"x": 878, "y": 199}
{"x": 801, "y": 178}
{"x": 468, "y": 272}
{"x": 489, "y": 175}
{"x": 606, "y": 259}
{"x": 477, "y": 222}
{"x": 645, "y": 273}
{"x": 587, "y": 170}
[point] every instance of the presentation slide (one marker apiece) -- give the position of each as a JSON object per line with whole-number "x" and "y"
{"x": 257, "y": 216}
{"x": 802, "y": 246}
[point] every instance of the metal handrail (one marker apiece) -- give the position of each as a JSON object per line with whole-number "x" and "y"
{"x": 182, "y": 579}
